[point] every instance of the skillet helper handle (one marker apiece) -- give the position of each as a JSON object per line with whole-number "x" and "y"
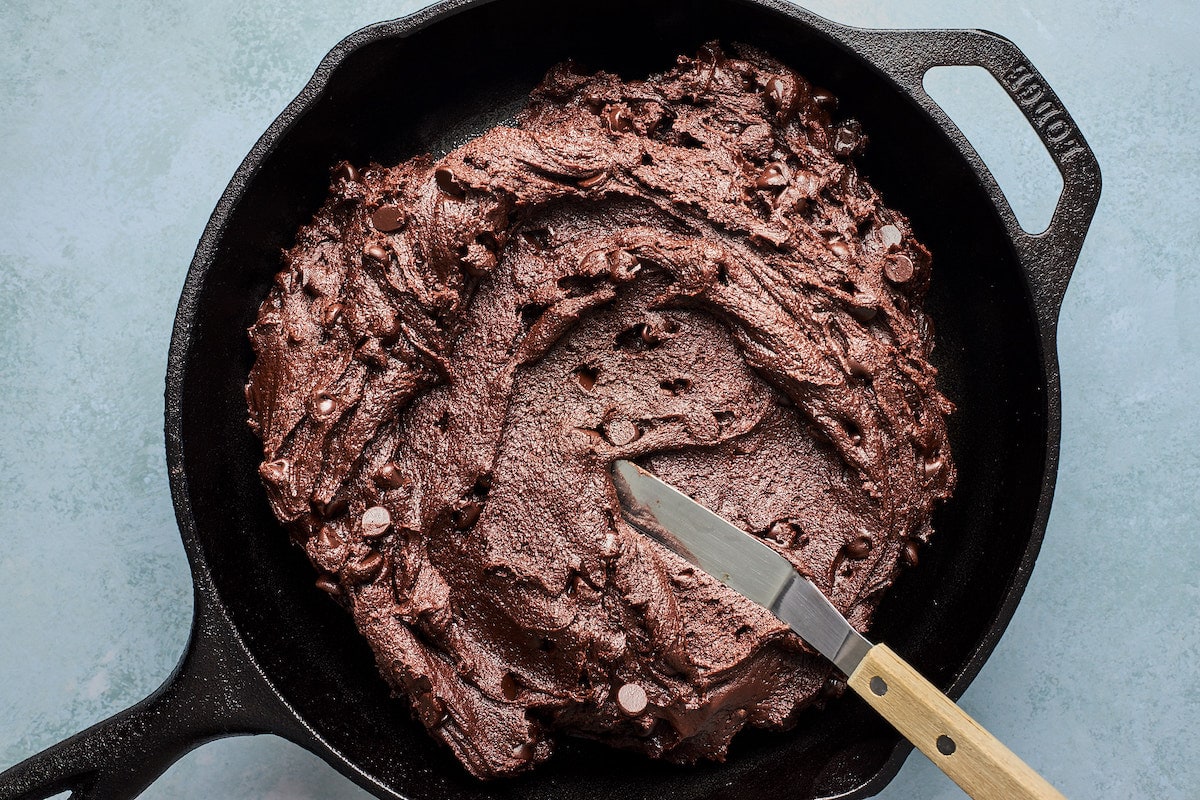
{"x": 1049, "y": 256}
{"x": 211, "y": 694}
{"x": 958, "y": 745}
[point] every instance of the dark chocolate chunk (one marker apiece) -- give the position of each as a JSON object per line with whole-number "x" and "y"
{"x": 362, "y": 570}
{"x": 864, "y": 307}
{"x": 275, "y": 472}
{"x": 848, "y": 139}
{"x": 632, "y": 699}
{"x": 376, "y": 521}
{"x": 898, "y": 268}
{"x": 448, "y": 182}
{"x": 775, "y": 176}
{"x": 840, "y": 249}
{"x": 324, "y": 405}
{"x": 466, "y": 515}
{"x": 387, "y": 218}
{"x": 911, "y": 552}
{"x": 824, "y": 98}
{"x": 859, "y": 547}
{"x": 390, "y": 477}
{"x": 332, "y": 313}
{"x": 890, "y": 237}
{"x": 621, "y": 432}
{"x": 329, "y": 586}
{"x": 345, "y": 171}
{"x": 618, "y": 119}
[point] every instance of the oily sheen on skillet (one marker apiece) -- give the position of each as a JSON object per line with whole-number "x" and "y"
{"x": 269, "y": 654}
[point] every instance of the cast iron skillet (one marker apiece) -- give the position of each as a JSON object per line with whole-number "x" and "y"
{"x": 269, "y": 653}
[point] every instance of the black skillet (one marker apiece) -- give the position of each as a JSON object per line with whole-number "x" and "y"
{"x": 269, "y": 653}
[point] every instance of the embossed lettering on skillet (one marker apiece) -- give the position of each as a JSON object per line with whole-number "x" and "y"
{"x": 685, "y": 270}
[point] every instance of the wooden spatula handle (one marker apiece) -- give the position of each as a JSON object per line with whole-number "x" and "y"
{"x": 957, "y": 744}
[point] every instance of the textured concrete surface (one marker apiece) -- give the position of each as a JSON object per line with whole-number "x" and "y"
{"x": 120, "y": 124}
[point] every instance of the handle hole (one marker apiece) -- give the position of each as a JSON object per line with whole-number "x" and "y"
{"x": 946, "y": 745}
{"x": 1004, "y": 139}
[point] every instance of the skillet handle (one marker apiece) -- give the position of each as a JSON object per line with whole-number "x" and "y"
{"x": 212, "y": 693}
{"x": 955, "y": 743}
{"x": 1047, "y": 257}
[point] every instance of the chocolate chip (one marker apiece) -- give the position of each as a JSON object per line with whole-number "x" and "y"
{"x": 824, "y": 98}
{"x": 779, "y": 91}
{"x": 632, "y": 699}
{"x": 376, "y": 252}
{"x": 775, "y": 176}
{"x": 782, "y": 532}
{"x": 911, "y": 551}
{"x": 932, "y": 465}
{"x": 859, "y": 547}
{"x": 622, "y": 265}
{"x": 858, "y": 368}
{"x": 329, "y": 586}
{"x": 639, "y": 337}
{"x": 890, "y": 237}
{"x": 332, "y": 313}
{"x": 523, "y": 751}
{"x": 449, "y": 183}
{"x": 592, "y": 180}
{"x": 898, "y": 268}
{"x": 649, "y": 335}
{"x": 327, "y": 539}
{"x": 621, "y": 432}
{"x": 848, "y": 139}
{"x": 275, "y": 472}
{"x": 388, "y": 218}
{"x": 388, "y": 330}
{"x": 806, "y": 183}
{"x": 376, "y": 521}
{"x": 389, "y": 477}
{"x": 864, "y": 308}
{"x": 586, "y": 377}
{"x": 840, "y": 249}
{"x": 785, "y": 92}
{"x": 324, "y": 404}
{"x": 345, "y": 171}
{"x": 618, "y": 119}
{"x": 466, "y": 515}
{"x": 509, "y": 687}
{"x": 675, "y": 386}
{"x": 328, "y": 509}
{"x": 833, "y": 687}
{"x": 364, "y": 569}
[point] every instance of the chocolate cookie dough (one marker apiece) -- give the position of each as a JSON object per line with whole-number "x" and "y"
{"x": 687, "y": 271}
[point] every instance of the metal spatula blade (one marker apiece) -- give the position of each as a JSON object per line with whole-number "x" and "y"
{"x": 957, "y": 744}
{"x": 738, "y": 560}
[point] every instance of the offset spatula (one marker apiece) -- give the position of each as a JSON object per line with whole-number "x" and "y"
{"x": 957, "y": 744}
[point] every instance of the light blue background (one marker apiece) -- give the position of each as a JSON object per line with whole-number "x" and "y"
{"x": 120, "y": 124}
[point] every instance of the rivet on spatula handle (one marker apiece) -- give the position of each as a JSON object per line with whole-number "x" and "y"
{"x": 955, "y": 743}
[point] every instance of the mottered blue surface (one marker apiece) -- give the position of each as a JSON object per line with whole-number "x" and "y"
{"x": 120, "y": 124}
